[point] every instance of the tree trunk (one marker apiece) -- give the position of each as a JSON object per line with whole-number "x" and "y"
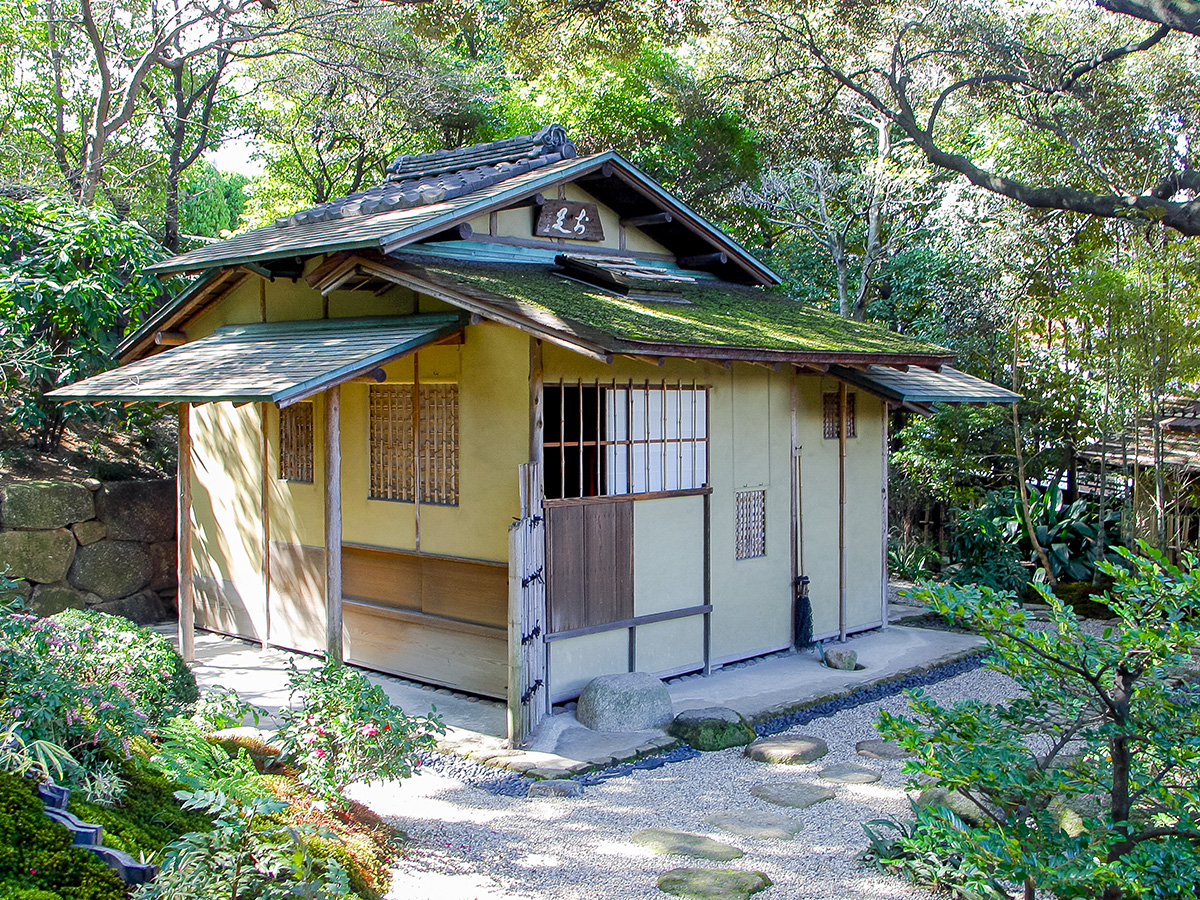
{"x": 1029, "y": 529}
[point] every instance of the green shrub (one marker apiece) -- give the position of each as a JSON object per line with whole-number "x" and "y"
{"x": 347, "y": 730}
{"x": 141, "y": 661}
{"x": 147, "y": 818}
{"x": 36, "y": 856}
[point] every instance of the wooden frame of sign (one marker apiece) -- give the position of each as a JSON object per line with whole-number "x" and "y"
{"x": 570, "y": 220}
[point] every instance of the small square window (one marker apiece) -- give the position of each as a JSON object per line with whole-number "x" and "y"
{"x": 830, "y": 417}
{"x": 751, "y": 524}
{"x": 296, "y": 443}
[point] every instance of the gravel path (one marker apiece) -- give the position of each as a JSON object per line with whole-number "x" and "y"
{"x": 468, "y": 844}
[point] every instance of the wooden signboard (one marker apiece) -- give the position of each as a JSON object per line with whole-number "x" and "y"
{"x": 569, "y": 219}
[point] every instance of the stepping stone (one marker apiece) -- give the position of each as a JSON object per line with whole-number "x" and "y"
{"x": 756, "y": 823}
{"x": 712, "y": 884}
{"x": 555, "y": 788}
{"x": 680, "y": 843}
{"x": 793, "y": 750}
{"x": 850, "y": 773}
{"x": 795, "y": 794}
{"x": 877, "y": 749}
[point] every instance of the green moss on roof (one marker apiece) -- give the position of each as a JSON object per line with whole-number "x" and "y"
{"x": 715, "y": 315}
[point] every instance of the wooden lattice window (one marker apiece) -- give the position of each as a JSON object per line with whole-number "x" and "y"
{"x": 831, "y": 418}
{"x": 751, "y": 524}
{"x": 296, "y": 443}
{"x": 403, "y": 457}
{"x": 607, "y": 438}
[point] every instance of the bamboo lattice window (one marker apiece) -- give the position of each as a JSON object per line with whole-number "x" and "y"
{"x": 831, "y": 418}
{"x": 296, "y": 443}
{"x": 608, "y": 438}
{"x": 751, "y": 539}
{"x": 404, "y": 456}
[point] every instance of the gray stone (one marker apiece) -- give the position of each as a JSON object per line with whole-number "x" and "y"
{"x": 712, "y": 884}
{"x": 138, "y": 510}
{"x": 794, "y": 794}
{"x": 876, "y": 749}
{"x": 48, "y": 599}
{"x": 90, "y": 531}
{"x": 627, "y": 702}
{"x": 557, "y": 788}
{"x": 790, "y": 751}
{"x": 756, "y": 823}
{"x": 143, "y": 608}
{"x": 548, "y": 772}
{"x": 163, "y": 573}
{"x": 112, "y": 569}
{"x": 681, "y": 843}
{"x": 840, "y": 658}
{"x": 21, "y": 590}
{"x": 714, "y": 728}
{"x": 45, "y": 504}
{"x": 41, "y": 556}
{"x": 850, "y": 773}
{"x": 953, "y": 801}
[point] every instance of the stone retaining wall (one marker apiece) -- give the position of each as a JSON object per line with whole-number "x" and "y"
{"x": 92, "y": 545}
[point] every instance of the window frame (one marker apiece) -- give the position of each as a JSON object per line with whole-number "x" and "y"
{"x": 422, "y": 435}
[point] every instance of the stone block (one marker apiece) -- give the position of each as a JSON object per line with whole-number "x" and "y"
{"x": 555, "y": 789}
{"x": 714, "y": 728}
{"x": 790, "y": 750}
{"x": 840, "y": 658}
{"x": 45, "y": 504}
{"x": 713, "y": 884}
{"x": 48, "y": 599}
{"x": 631, "y": 701}
{"x": 142, "y": 608}
{"x": 90, "y": 531}
{"x": 112, "y": 569}
{"x": 41, "y": 556}
{"x": 138, "y": 510}
{"x": 682, "y": 843}
{"x": 163, "y": 572}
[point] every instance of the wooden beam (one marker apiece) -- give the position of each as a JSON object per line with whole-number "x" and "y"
{"x": 333, "y": 525}
{"x": 264, "y": 446}
{"x": 842, "y": 423}
{"x": 531, "y": 200}
{"x": 652, "y": 360}
{"x": 536, "y": 406}
{"x": 375, "y": 376}
{"x": 883, "y": 537}
{"x": 183, "y": 532}
{"x": 701, "y": 260}
{"x": 794, "y": 541}
{"x": 170, "y": 338}
{"x": 658, "y": 218}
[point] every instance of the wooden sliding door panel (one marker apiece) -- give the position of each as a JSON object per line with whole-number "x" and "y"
{"x": 589, "y": 564}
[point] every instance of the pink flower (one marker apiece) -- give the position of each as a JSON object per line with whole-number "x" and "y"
{"x": 369, "y": 730}
{"x": 320, "y": 753}
{"x": 320, "y": 730}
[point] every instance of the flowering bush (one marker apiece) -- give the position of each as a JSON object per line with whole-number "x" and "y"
{"x": 344, "y": 729}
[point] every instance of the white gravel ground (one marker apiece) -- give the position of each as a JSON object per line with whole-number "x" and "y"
{"x": 468, "y": 844}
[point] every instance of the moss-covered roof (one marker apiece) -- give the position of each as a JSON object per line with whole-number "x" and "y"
{"x": 715, "y": 314}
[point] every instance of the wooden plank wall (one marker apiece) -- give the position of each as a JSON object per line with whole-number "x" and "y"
{"x": 589, "y": 551}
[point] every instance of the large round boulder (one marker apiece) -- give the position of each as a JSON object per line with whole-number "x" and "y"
{"x": 48, "y": 599}
{"x": 631, "y": 701}
{"x": 138, "y": 510}
{"x": 40, "y": 556}
{"x": 111, "y": 569}
{"x": 45, "y": 504}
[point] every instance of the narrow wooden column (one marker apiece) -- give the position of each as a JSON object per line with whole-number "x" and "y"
{"x": 183, "y": 531}
{"x": 794, "y": 540}
{"x": 883, "y": 590}
{"x": 264, "y": 449}
{"x": 842, "y": 423}
{"x": 333, "y": 524}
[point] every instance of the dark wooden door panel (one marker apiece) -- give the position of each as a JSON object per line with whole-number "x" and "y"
{"x": 589, "y": 564}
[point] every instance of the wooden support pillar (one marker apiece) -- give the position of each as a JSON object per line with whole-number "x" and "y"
{"x": 264, "y": 450}
{"x": 183, "y": 526}
{"x": 333, "y": 525}
{"x": 843, "y": 400}
{"x": 794, "y": 540}
{"x": 883, "y": 487}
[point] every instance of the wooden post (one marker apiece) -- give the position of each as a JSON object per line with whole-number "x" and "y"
{"x": 795, "y": 502}
{"x": 842, "y": 423}
{"x": 333, "y": 525}
{"x": 536, "y": 408}
{"x": 183, "y": 530}
{"x": 885, "y": 500}
{"x": 265, "y": 513}
{"x": 707, "y": 638}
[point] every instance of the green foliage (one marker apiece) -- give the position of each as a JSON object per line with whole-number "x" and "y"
{"x": 910, "y": 558}
{"x": 985, "y": 545}
{"x": 71, "y": 280}
{"x": 246, "y": 854}
{"x": 1101, "y": 726}
{"x": 344, "y": 729}
{"x": 148, "y": 816}
{"x": 143, "y": 662}
{"x": 222, "y": 707}
{"x": 185, "y": 755}
{"x": 211, "y": 202}
{"x": 37, "y": 859}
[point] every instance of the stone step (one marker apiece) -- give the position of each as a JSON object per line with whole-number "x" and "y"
{"x": 681, "y": 843}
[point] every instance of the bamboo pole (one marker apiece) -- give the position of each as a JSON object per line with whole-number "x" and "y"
{"x": 794, "y": 390}
{"x": 183, "y": 526}
{"x": 842, "y": 424}
{"x": 333, "y": 525}
{"x": 265, "y": 513}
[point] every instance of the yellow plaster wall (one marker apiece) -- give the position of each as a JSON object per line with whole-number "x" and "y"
{"x": 864, "y": 503}
{"x": 227, "y": 546}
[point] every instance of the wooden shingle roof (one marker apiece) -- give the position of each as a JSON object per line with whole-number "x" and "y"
{"x": 275, "y": 362}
